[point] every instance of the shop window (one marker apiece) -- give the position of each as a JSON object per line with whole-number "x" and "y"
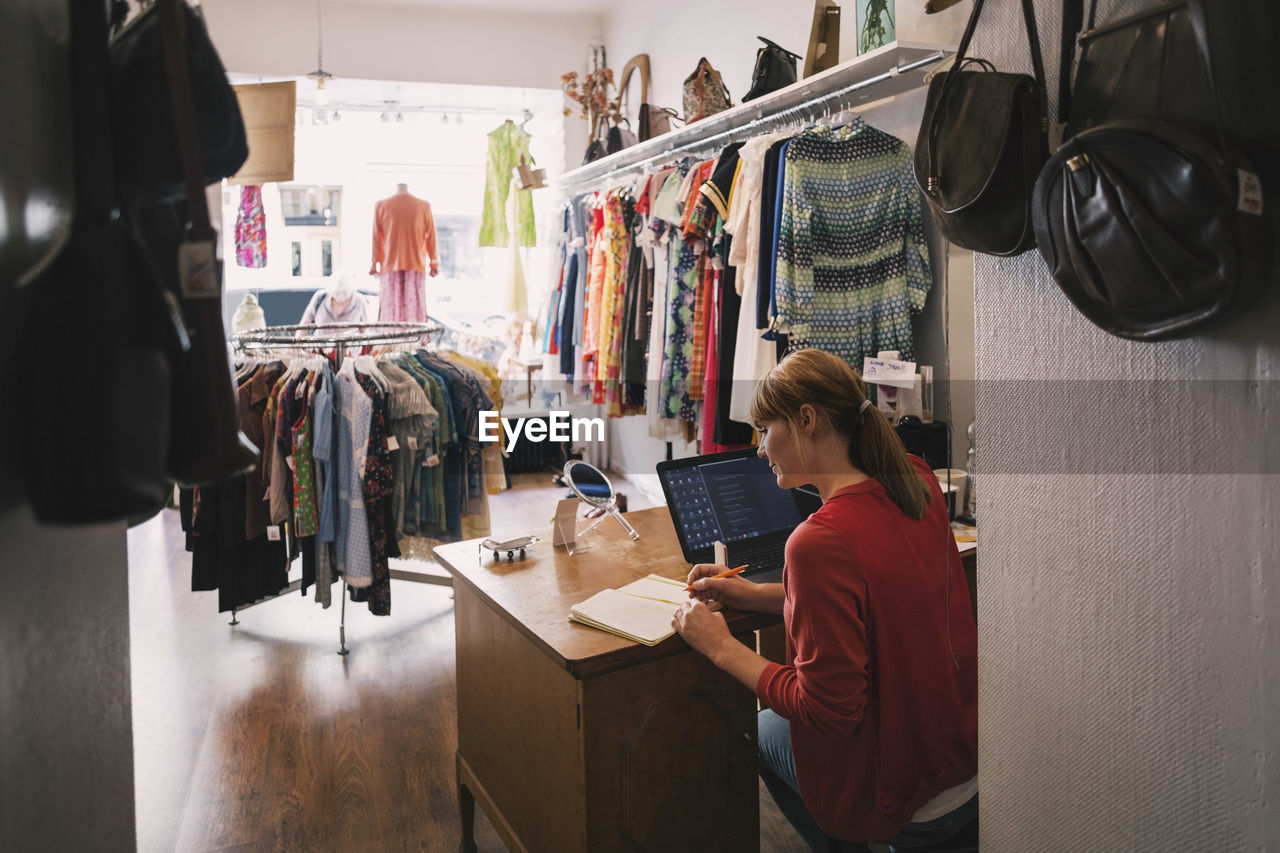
{"x": 297, "y": 259}
{"x": 326, "y": 258}
{"x": 458, "y": 241}
{"x": 310, "y": 205}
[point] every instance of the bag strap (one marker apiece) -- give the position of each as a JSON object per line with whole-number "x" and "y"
{"x": 1037, "y": 65}
{"x": 1072, "y": 24}
{"x": 779, "y": 47}
{"x": 175, "y": 61}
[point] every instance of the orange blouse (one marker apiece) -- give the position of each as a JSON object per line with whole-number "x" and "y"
{"x": 404, "y": 234}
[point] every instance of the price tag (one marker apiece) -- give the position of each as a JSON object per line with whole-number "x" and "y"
{"x": 413, "y": 442}
{"x": 392, "y": 444}
{"x": 888, "y": 371}
{"x": 432, "y": 461}
{"x": 198, "y": 271}
{"x": 273, "y": 533}
{"x": 1250, "y": 193}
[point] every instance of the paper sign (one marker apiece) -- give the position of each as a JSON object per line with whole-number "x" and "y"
{"x": 392, "y": 444}
{"x": 888, "y": 371}
{"x": 273, "y": 533}
{"x": 432, "y": 461}
{"x": 197, "y": 271}
{"x": 413, "y": 442}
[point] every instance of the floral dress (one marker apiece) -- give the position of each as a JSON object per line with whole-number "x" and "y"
{"x": 251, "y": 229}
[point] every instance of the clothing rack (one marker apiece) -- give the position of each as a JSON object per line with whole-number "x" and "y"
{"x": 339, "y": 336}
{"x": 891, "y": 70}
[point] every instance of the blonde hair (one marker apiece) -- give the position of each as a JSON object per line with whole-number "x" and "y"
{"x": 837, "y": 392}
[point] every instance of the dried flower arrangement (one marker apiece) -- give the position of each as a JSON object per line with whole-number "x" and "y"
{"x": 591, "y": 93}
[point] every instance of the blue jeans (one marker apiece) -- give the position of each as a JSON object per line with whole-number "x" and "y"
{"x": 778, "y": 770}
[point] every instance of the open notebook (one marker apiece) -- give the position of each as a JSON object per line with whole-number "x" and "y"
{"x": 641, "y": 611}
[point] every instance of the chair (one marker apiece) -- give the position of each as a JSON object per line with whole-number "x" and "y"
{"x": 964, "y": 841}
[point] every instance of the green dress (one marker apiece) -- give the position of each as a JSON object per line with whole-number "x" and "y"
{"x": 506, "y": 143}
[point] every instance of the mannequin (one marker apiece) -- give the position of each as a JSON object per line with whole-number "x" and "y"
{"x": 404, "y": 251}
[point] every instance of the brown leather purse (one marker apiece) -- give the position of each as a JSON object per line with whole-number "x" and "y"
{"x": 651, "y": 120}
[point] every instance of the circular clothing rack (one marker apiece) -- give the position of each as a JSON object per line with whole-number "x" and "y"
{"x": 313, "y": 335}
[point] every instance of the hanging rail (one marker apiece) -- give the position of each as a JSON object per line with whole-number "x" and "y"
{"x": 341, "y": 336}
{"x": 891, "y": 70}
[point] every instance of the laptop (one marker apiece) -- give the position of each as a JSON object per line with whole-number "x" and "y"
{"x": 734, "y": 498}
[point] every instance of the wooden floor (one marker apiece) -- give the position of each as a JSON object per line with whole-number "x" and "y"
{"x": 259, "y": 737}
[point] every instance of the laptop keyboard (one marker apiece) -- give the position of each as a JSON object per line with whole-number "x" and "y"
{"x": 758, "y": 557}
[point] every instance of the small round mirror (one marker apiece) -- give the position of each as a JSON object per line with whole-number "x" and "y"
{"x": 592, "y": 487}
{"x": 589, "y": 483}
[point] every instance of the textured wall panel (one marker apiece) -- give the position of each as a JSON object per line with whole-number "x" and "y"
{"x": 1129, "y": 496}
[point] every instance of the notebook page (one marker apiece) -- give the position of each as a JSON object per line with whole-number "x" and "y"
{"x": 642, "y": 619}
{"x": 658, "y": 589}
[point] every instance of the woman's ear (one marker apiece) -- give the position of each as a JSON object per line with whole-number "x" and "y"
{"x": 808, "y": 420}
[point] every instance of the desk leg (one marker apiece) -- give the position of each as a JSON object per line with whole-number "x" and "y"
{"x": 467, "y": 812}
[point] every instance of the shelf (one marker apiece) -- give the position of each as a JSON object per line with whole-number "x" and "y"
{"x": 887, "y": 71}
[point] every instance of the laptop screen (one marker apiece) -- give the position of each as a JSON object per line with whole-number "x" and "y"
{"x": 727, "y": 497}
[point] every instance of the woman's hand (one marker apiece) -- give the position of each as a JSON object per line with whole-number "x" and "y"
{"x": 705, "y": 631}
{"x": 731, "y": 591}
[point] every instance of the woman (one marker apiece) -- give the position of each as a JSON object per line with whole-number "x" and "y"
{"x": 871, "y": 729}
{"x": 337, "y": 302}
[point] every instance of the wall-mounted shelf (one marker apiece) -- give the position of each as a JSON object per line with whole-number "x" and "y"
{"x": 891, "y": 70}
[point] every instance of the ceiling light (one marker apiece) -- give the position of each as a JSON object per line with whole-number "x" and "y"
{"x": 320, "y": 75}
{"x": 399, "y": 116}
{"x": 337, "y": 116}
{"x": 458, "y": 118}
{"x": 444, "y": 118}
{"x": 386, "y": 116}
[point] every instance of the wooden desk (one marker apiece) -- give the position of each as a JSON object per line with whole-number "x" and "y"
{"x": 573, "y": 739}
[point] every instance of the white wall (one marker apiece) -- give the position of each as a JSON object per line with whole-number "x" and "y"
{"x": 377, "y": 41}
{"x": 1130, "y": 553}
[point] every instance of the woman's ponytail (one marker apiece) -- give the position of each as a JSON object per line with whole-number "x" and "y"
{"x": 876, "y": 449}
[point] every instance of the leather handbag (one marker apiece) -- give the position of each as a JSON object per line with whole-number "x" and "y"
{"x": 1150, "y": 225}
{"x": 607, "y": 138}
{"x": 148, "y": 158}
{"x": 206, "y": 444}
{"x": 704, "y": 93}
{"x": 982, "y": 142}
{"x": 775, "y": 69}
{"x": 651, "y": 120}
{"x": 1135, "y": 66}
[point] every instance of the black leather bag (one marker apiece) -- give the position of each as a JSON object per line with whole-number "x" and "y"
{"x": 1136, "y": 66}
{"x": 775, "y": 69}
{"x": 148, "y": 158}
{"x": 1151, "y": 226}
{"x": 982, "y": 142}
{"x": 100, "y": 336}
